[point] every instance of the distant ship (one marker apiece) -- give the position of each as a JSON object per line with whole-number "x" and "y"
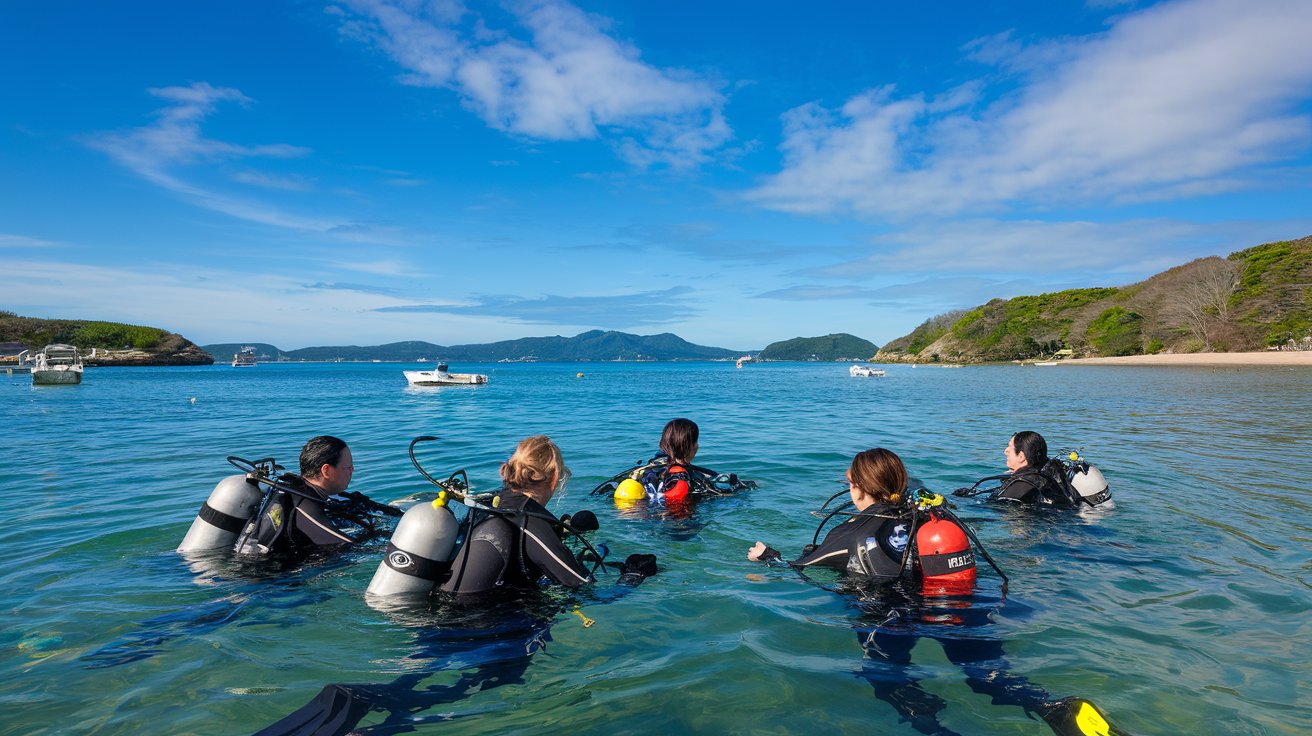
{"x": 244, "y": 359}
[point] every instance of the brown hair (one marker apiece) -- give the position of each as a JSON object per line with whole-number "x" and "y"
{"x": 535, "y": 460}
{"x": 679, "y": 440}
{"x": 879, "y": 473}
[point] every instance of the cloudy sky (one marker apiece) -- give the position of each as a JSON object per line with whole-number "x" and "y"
{"x": 737, "y": 172}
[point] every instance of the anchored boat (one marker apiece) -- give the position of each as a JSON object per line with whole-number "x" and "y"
{"x": 861, "y": 371}
{"x": 442, "y": 377}
{"x": 57, "y": 365}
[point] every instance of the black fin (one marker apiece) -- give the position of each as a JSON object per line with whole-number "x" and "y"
{"x": 1078, "y": 717}
{"x": 333, "y": 712}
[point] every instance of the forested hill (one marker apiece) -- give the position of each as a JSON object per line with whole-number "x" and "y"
{"x": 1252, "y": 299}
{"x": 596, "y": 345}
{"x": 115, "y": 343}
{"x": 840, "y": 346}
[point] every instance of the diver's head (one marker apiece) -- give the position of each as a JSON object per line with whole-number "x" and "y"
{"x": 326, "y": 463}
{"x": 1026, "y": 450}
{"x": 679, "y": 440}
{"x": 877, "y": 476}
{"x": 536, "y": 470}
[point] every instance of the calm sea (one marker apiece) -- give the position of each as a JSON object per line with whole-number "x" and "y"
{"x": 1184, "y": 609}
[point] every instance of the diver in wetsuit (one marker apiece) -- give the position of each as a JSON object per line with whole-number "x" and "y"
{"x": 871, "y": 549}
{"x": 520, "y": 544}
{"x": 298, "y": 520}
{"x": 1027, "y": 458}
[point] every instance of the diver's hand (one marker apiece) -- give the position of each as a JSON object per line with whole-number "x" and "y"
{"x": 761, "y": 553}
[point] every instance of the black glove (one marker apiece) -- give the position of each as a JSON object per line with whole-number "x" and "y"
{"x": 637, "y": 568}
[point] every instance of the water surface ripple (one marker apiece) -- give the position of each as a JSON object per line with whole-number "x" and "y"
{"x": 1184, "y": 609}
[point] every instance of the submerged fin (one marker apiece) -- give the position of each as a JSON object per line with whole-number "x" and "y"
{"x": 1078, "y": 717}
{"x": 333, "y": 712}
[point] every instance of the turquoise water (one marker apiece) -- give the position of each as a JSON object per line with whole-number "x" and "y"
{"x": 1182, "y": 610}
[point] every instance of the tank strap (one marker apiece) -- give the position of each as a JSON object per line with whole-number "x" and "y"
{"x": 409, "y": 563}
{"x": 946, "y": 564}
{"x": 226, "y": 522}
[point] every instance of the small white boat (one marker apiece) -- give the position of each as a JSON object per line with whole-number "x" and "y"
{"x": 57, "y": 365}
{"x": 441, "y": 377}
{"x": 244, "y": 359}
{"x": 861, "y": 371}
{"x": 1049, "y": 362}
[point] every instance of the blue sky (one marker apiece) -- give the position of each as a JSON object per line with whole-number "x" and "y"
{"x": 737, "y": 173}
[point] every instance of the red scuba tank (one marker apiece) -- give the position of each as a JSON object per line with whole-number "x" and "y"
{"x": 946, "y": 560}
{"x": 676, "y": 488}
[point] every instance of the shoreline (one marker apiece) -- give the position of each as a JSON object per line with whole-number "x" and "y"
{"x": 1273, "y": 358}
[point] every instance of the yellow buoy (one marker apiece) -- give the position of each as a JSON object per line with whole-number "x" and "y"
{"x": 630, "y": 490}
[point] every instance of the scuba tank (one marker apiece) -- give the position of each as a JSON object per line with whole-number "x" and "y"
{"x": 947, "y": 563}
{"x": 674, "y": 486}
{"x": 419, "y": 552}
{"x": 1088, "y": 481}
{"x": 222, "y": 517}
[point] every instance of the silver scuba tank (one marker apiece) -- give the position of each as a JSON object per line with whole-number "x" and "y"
{"x": 222, "y": 517}
{"x": 1089, "y": 482}
{"x": 421, "y": 543}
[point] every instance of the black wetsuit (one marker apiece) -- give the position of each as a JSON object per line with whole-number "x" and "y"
{"x": 513, "y": 550}
{"x": 1033, "y": 486}
{"x": 871, "y": 544}
{"x": 296, "y": 523}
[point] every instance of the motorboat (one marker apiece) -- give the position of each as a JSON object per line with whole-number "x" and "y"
{"x": 57, "y": 365}
{"x": 441, "y": 376}
{"x": 244, "y": 359}
{"x": 861, "y": 371}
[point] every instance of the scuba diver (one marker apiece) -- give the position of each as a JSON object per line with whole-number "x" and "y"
{"x": 484, "y": 575}
{"x": 1034, "y": 479}
{"x": 910, "y": 561}
{"x": 293, "y": 515}
{"x": 670, "y": 476}
{"x": 520, "y": 544}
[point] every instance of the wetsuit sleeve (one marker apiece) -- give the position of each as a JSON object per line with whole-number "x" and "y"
{"x": 834, "y": 552}
{"x": 542, "y": 547}
{"x": 312, "y": 523}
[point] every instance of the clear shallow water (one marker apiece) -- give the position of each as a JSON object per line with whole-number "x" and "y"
{"x": 1182, "y": 610}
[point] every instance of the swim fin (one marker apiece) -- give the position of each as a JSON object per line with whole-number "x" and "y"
{"x": 333, "y": 712}
{"x": 1078, "y": 717}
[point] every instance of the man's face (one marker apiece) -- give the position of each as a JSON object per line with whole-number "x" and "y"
{"x": 337, "y": 477}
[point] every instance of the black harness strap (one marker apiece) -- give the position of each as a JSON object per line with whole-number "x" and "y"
{"x": 226, "y": 522}
{"x": 414, "y": 565}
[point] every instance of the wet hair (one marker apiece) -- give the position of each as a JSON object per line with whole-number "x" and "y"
{"x": 535, "y": 460}
{"x": 1034, "y": 447}
{"x": 881, "y": 474}
{"x": 321, "y": 450}
{"x": 679, "y": 439}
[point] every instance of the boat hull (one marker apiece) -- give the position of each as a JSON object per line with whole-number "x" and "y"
{"x": 436, "y": 378}
{"x": 56, "y": 377}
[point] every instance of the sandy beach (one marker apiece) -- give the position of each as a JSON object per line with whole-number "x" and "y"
{"x": 1263, "y": 358}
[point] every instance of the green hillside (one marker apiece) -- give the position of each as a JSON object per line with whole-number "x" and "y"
{"x": 1254, "y": 298}
{"x": 840, "y": 346}
{"x": 126, "y": 344}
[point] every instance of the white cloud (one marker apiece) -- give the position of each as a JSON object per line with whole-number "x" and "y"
{"x": 8, "y": 240}
{"x": 1179, "y": 99}
{"x": 1099, "y": 254}
{"x": 173, "y": 153}
{"x": 568, "y": 80}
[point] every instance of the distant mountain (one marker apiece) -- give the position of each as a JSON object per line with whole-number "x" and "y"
{"x": 223, "y": 352}
{"x": 1254, "y": 298}
{"x": 840, "y": 346}
{"x": 595, "y": 345}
